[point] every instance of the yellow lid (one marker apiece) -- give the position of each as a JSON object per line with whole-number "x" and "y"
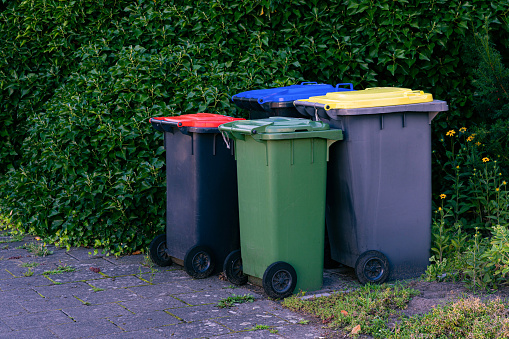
{"x": 371, "y": 97}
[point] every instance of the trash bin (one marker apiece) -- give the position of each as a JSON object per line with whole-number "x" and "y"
{"x": 202, "y": 225}
{"x": 378, "y": 211}
{"x": 265, "y": 103}
{"x": 281, "y": 170}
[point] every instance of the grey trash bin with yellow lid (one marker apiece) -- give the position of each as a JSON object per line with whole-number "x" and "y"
{"x": 378, "y": 210}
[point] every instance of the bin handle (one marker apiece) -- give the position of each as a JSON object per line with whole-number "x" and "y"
{"x": 260, "y": 100}
{"x": 309, "y": 82}
{"x": 229, "y": 130}
{"x": 345, "y": 84}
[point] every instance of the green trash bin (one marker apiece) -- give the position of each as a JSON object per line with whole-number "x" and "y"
{"x": 281, "y": 173}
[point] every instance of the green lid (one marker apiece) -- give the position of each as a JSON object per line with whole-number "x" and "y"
{"x": 280, "y": 128}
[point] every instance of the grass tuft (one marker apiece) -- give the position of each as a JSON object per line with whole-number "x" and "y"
{"x": 235, "y": 299}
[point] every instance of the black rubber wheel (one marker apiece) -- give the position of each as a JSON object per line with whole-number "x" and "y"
{"x": 198, "y": 262}
{"x": 279, "y": 280}
{"x": 233, "y": 268}
{"x": 372, "y": 267}
{"x": 157, "y": 251}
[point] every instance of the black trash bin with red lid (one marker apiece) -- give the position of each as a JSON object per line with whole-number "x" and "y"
{"x": 202, "y": 221}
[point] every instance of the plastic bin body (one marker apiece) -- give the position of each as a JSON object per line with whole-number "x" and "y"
{"x": 270, "y": 102}
{"x": 281, "y": 182}
{"x": 379, "y": 184}
{"x": 202, "y": 206}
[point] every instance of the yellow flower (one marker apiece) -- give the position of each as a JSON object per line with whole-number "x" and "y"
{"x": 457, "y": 167}
{"x": 442, "y": 196}
{"x": 497, "y": 189}
{"x": 440, "y": 208}
{"x": 478, "y": 143}
{"x": 470, "y": 138}
{"x": 463, "y": 129}
{"x": 485, "y": 159}
{"x": 504, "y": 183}
{"x": 450, "y": 133}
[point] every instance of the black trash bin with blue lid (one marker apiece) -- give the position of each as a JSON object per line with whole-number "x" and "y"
{"x": 202, "y": 219}
{"x": 270, "y": 102}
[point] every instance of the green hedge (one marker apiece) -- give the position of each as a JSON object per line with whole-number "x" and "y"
{"x": 79, "y": 161}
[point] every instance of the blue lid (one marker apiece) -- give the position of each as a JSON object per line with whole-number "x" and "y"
{"x": 289, "y": 93}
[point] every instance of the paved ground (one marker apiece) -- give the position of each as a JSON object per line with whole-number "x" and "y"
{"x": 108, "y": 297}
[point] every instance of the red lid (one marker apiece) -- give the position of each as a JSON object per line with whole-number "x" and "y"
{"x": 199, "y": 120}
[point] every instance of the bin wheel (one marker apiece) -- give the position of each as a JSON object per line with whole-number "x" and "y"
{"x": 157, "y": 251}
{"x": 233, "y": 268}
{"x": 279, "y": 280}
{"x": 372, "y": 267}
{"x": 198, "y": 262}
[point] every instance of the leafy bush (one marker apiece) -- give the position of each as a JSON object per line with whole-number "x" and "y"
{"x": 80, "y": 164}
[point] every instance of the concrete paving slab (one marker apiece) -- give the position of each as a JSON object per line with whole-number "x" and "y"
{"x": 87, "y": 329}
{"x": 208, "y": 284}
{"x": 165, "y": 276}
{"x": 84, "y": 313}
{"x": 126, "y": 298}
{"x": 300, "y": 331}
{"x": 152, "y": 304}
{"x": 5, "y": 274}
{"x": 20, "y": 271}
{"x": 118, "y": 282}
{"x": 248, "y": 322}
{"x": 83, "y": 254}
{"x": 197, "y": 329}
{"x": 68, "y": 289}
{"x": 123, "y": 270}
{"x": 150, "y": 333}
{"x": 112, "y": 295}
{"x": 259, "y": 334}
{"x": 128, "y": 259}
{"x": 149, "y": 291}
{"x": 44, "y": 304}
{"x": 202, "y": 312}
{"x": 11, "y": 308}
{"x": 15, "y": 283}
{"x": 204, "y": 297}
{"x": 19, "y": 294}
{"x": 144, "y": 320}
{"x": 59, "y": 258}
{"x": 81, "y": 274}
{"x": 28, "y": 334}
{"x": 36, "y": 320}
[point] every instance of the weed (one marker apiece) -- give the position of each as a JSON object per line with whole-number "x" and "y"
{"x": 273, "y": 331}
{"x": 97, "y": 289}
{"x": 466, "y": 318}
{"x": 5, "y": 247}
{"x": 232, "y": 287}
{"x": 38, "y": 249}
{"x": 235, "y": 299}
{"x": 30, "y": 264}
{"x": 14, "y": 238}
{"x": 260, "y": 327}
{"x": 370, "y": 306}
{"x": 60, "y": 269}
{"x": 303, "y": 322}
{"x": 28, "y": 273}
{"x": 147, "y": 262}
